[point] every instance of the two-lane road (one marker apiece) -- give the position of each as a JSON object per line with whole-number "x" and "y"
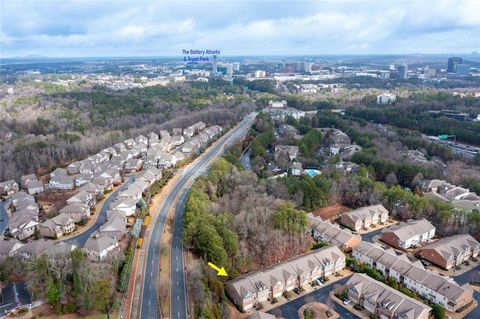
{"x": 149, "y": 298}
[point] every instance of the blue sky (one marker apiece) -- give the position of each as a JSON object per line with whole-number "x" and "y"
{"x": 268, "y": 27}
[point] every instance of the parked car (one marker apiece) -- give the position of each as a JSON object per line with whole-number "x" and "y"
{"x": 319, "y": 281}
{"x": 347, "y": 301}
{"x": 425, "y": 263}
{"x": 297, "y": 291}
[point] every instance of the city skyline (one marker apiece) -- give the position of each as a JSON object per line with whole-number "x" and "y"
{"x": 237, "y": 28}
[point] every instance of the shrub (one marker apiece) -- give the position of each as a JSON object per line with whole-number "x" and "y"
{"x": 69, "y": 308}
{"x": 307, "y": 313}
{"x": 358, "y": 307}
{"x": 438, "y": 311}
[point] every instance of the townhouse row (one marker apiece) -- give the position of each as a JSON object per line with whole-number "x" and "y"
{"x": 383, "y": 301}
{"x": 432, "y": 286}
{"x": 256, "y": 287}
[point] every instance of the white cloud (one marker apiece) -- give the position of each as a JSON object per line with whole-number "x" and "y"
{"x": 79, "y": 28}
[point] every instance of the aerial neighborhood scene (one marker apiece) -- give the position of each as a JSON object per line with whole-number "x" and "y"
{"x": 240, "y": 159}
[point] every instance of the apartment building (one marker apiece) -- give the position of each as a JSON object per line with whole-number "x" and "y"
{"x": 256, "y": 287}
{"x": 364, "y": 217}
{"x": 324, "y": 230}
{"x": 438, "y": 289}
{"x": 450, "y": 251}
{"x": 384, "y": 301}
{"x": 409, "y": 234}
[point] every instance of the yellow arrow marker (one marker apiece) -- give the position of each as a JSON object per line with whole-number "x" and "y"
{"x": 221, "y": 271}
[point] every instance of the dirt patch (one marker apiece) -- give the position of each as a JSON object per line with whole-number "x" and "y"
{"x": 53, "y": 201}
{"x": 330, "y": 212}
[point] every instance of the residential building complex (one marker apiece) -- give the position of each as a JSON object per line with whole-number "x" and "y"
{"x": 384, "y": 301}
{"x": 364, "y": 217}
{"x": 430, "y": 285}
{"x": 408, "y": 234}
{"x": 324, "y": 230}
{"x": 256, "y": 287}
{"x": 450, "y": 251}
{"x": 458, "y": 196}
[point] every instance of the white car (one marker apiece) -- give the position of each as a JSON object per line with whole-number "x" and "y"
{"x": 347, "y": 301}
{"x": 319, "y": 282}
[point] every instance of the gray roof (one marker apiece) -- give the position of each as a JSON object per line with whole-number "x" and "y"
{"x": 34, "y": 184}
{"x": 415, "y": 272}
{"x": 8, "y": 246}
{"x": 365, "y": 212}
{"x": 100, "y": 243}
{"x": 63, "y": 179}
{"x": 256, "y": 281}
{"x": 386, "y": 297}
{"x": 261, "y": 315}
{"x": 60, "y": 248}
{"x": 449, "y": 247}
{"x": 35, "y": 247}
{"x": 405, "y": 231}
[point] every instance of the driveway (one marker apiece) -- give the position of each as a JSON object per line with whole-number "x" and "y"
{"x": 290, "y": 309}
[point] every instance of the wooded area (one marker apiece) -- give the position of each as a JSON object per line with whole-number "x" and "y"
{"x": 63, "y": 127}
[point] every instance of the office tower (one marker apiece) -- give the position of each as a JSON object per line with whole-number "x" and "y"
{"x": 214, "y": 65}
{"x": 462, "y": 69}
{"x": 452, "y": 63}
{"x": 402, "y": 71}
{"x": 308, "y": 67}
{"x": 236, "y": 66}
{"x": 260, "y": 74}
{"x": 229, "y": 72}
{"x": 299, "y": 67}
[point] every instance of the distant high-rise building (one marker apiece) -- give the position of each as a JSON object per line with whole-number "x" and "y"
{"x": 299, "y": 66}
{"x": 429, "y": 72}
{"x": 452, "y": 63}
{"x": 308, "y": 67}
{"x": 260, "y": 74}
{"x": 402, "y": 70}
{"x": 229, "y": 67}
{"x": 236, "y": 66}
{"x": 462, "y": 69}
{"x": 214, "y": 64}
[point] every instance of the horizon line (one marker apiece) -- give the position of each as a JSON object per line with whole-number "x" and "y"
{"x": 39, "y": 56}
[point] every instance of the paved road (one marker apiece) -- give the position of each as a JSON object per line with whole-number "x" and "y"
{"x": 368, "y": 237}
{"x": 290, "y": 309}
{"x": 3, "y": 217}
{"x": 245, "y": 160}
{"x": 82, "y": 238}
{"x": 149, "y": 302}
{"x": 472, "y": 274}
